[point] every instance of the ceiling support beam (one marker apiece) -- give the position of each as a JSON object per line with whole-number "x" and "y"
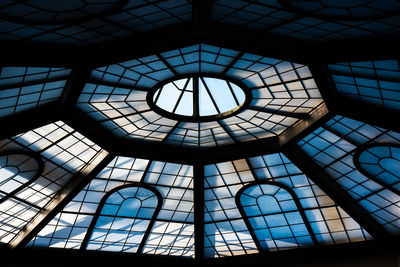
{"x": 201, "y": 29}
{"x": 198, "y": 178}
{"x": 375, "y": 115}
{"x": 201, "y": 16}
{"x": 298, "y": 115}
{"x": 73, "y": 88}
{"x": 335, "y": 191}
{"x": 325, "y": 84}
{"x": 64, "y": 196}
{"x": 304, "y": 126}
{"x": 30, "y": 119}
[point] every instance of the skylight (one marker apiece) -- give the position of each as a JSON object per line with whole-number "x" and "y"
{"x": 147, "y": 129}
{"x": 200, "y": 97}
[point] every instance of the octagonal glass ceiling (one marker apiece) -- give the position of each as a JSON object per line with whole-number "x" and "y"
{"x": 65, "y": 186}
{"x": 279, "y": 95}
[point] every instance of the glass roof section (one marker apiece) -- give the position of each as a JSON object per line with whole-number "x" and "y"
{"x": 338, "y": 148}
{"x": 199, "y": 97}
{"x": 37, "y": 166}
{"x": 322, "y": 22}
{"x": 24, "y": 88}
{"x": 87, "y": 22}
{"x": 60, "y": 12}
{"x": 167, "y": 146}
{"x": 146, "y": 207}
{"x": 238, "y": 221}
{"x": 280, "y": 92}
{"x": 344, "y": 10}
{"x": 373, "y": 82}
{"x": 169, "y": 232}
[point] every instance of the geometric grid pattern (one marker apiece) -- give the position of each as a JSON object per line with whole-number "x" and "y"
{"x": 116, "y": 96}
{"x": 37, "y": 12}
{"x": 355, "y": 10}
{"x": 64, "y": 153}
{"x": 123, "y": 219}
{"x": 381, "y": 162}
{"x": 136, "y": 16}
{"x": 333, "y": 147}
{"x": 172, "y": 232}
{"x": 271, "y": 17}
{"x": 375, "y": 82}
{"x": 69, "y": 227}
{"x": 226, "y": 233}
{"x": 23, "y": 88}
{"x": 329, "y": 222}
{"x": 274, "y": 217}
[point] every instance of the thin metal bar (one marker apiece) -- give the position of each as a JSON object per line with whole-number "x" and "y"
{"x": 209, "y": 94}
{"x": 198, "y": 173}
{"x": 233, "y": 62}
{"x": 167, "y": 64}
{"x": 298, "y": 115}
{"x": 196, "y": 97}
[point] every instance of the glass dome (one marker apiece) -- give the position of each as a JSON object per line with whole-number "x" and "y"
{"x": 202, "y": 132}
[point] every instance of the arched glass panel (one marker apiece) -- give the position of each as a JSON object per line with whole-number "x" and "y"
{"x": 381, "y": 162}
{"x": 16, "y": 170}
{"x": 334, "y": 146}
{"x": 123, "y": 220}
{"x": 274, "y": 217}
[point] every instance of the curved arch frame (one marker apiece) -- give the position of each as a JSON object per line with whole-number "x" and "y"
{"x": 181, "y": 118}
{"x": 121, "y": 4}
{"x": 295, "y": 199}
{"x": 102, "y": 203}
{"x": 39, "y": 171}
{"x": 356, "y": 161}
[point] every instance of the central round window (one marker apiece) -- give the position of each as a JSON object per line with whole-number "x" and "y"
{"x": 199, "y": 97}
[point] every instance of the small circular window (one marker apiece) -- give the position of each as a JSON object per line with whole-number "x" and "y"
{"x": 199, "y": 98}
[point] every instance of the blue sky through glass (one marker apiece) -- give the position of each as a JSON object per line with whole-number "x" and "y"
{"x": 215, "y": 96}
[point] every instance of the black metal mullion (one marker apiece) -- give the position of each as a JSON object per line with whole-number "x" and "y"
{"x": 227, "y": 131}
{"x": 233, "y": 93}
{"x": 181, "y": 94}
{"x": 298, "y": 115}
{"x": 124, "y": 115}
{"x": 163, "y": 60}
{"x": 232, "y": 63}
{"x": 112, "y": 84}
{"x": 170, "y": 132}
{"x": 210, "y": 95}
{"x": 198, "y": 188}
{"x": 196, "y": 97}
{"x": 73, "y": 89}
